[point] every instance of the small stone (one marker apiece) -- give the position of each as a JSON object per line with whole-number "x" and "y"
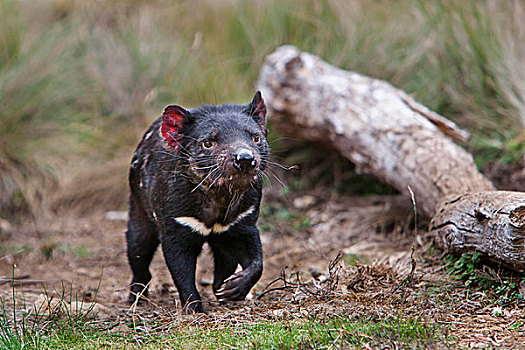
{"x": 304, "y": 202}
{"x": 117, "y": 215}
{"x": 279, "y": 313}
{"x": 5, "y": 227}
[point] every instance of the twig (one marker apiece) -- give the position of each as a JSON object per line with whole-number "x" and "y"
{"x": 297, "y": 287}
{"x": 19, "y": 280}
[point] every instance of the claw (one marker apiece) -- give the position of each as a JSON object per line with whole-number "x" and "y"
{"x": 235, "y": 276}
{"x": 232, "y": 277}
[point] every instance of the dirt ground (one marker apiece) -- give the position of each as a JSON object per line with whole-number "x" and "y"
{"x": 86, "y": 257}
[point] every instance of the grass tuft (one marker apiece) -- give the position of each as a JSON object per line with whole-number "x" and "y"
{"x": 470, "y": 268}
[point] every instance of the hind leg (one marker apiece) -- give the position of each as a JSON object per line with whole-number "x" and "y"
{"x": 143, "y": 240}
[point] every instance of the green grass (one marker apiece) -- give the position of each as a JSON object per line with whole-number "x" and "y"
{"x": 76, "y": 250}
{"x": 503, "y": 287}
{"x": 303, "y": 333}
{"x": 14, "y": 248}
{"x": 273, "y": 216}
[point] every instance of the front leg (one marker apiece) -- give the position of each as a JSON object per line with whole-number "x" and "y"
{"x": 241, "y": 245}
{"x": 224, "y": 264}
{"x": 181, "y": 249}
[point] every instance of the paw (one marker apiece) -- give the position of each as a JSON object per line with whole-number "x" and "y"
{"x": 193, "y": 307}
{"x": 235, "y": 287}
{"x": 138, "y": 294}
{"x": 138, "y": 299}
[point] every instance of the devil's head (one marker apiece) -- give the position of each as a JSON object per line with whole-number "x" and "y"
{"x": 218, "y": 146}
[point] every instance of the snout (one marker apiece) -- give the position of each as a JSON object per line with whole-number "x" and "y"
{"x": 244, "y": 160}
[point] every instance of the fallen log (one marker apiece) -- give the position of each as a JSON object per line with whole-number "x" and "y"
{"x": 384, "y": 132}
{"x": 491, "y": 223}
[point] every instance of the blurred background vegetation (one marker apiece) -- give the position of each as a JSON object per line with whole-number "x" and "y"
{"x": 80, "y": 81}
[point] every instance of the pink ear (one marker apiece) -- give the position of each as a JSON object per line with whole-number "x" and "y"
{"x": 258, "y": 110}
{"x": 172, "y": 120}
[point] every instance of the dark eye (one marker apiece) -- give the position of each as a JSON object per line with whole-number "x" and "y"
{"x": 207, "y": 144}
{"x": 256, "y": 138}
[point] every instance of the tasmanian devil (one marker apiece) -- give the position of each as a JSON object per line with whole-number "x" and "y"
{"x": 194, "y": 178}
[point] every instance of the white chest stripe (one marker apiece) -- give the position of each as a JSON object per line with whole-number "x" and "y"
{"x": 199, "y": 227}
{"x": 194, "y": 224}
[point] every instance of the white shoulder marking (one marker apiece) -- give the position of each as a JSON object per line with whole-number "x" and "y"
{"x": 195, "y": 224}
{"x": 199, "y": 227}
{"x": 218, "y": 228}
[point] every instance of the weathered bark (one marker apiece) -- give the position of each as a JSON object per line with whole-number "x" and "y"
{"x": 492, "y": 223}
{"x": 387, "y": 134}
{"x": 370, "y": 123}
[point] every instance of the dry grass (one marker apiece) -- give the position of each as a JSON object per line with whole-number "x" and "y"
{"x": 82, "y": 81}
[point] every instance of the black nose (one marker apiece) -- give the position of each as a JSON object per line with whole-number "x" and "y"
{"x": 244, "y": 160}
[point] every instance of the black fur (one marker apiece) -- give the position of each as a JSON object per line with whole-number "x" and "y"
{"x": 175, "y": 174}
